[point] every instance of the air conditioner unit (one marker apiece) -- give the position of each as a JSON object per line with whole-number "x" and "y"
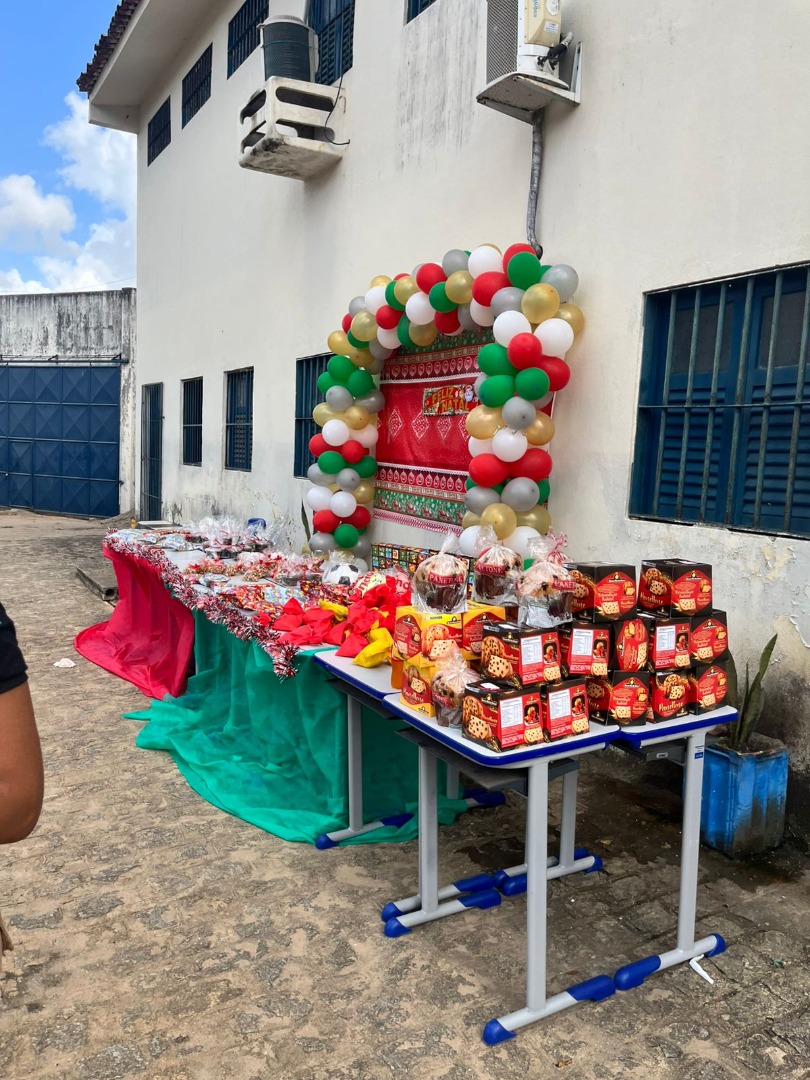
{"x": 524, "y": 58}
{"x": 290, "y": 48}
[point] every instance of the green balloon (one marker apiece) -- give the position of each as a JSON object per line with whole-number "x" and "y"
{"x": 496, "y": 390}
{"x": 524, "y": 270}
{"x": 531, "y": 384}
{"x": 493, "y": 359}
{"x": 360, "y": 382}
{"x": 325, "y": 382}
{"x": 499, "y": 487}
{"x": 544, "y": 268}
{"x": 365, "y": 467}
{"x": 545, "y": 490}
{"x": 469, "y": 484}
{"x": 403, "y": 331}
{"x": 340, "y": 368}
{"x": 346, "y": 536}
{"x": 356, "y": 342}
{"x": 438, "y": 298}
{"x": 331, "y": 462}
{"x": 390, "y": 299}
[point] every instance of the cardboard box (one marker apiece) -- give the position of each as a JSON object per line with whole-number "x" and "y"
{"x": 675, "y": 587}
{"x": 603, "y": 592}
{"x": 630, "y": 645}
{"x": 623, "y": 697}
{"x": 708, "y": 687}
{"x": 564, "y": 709}
{"x": 417, "y": 675}
{"x": 584, "y": 649}
{"x": 472, "y": 625}
{"x": 407, "y": 634}
{"x": 708, "y": 637}
{"x": 516, "y": 656}
{"x": 417, "y": 631}
{"x": 668, "y": 647}
{"x": 670, "y": 694}
{"x": 501, "y": 719}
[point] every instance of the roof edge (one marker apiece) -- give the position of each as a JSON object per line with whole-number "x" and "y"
{"x": 106, "y": 45}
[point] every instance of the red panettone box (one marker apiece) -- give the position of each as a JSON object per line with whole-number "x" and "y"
{"x": 675, "y": 587}
{"x": 623, "y": 697}
{"x": 603, "y": 592}
{"x": 630, "y": 645}
{"x": 668, "y": 646}
{"x": 517, "y": 656}
{"x": 584, "y": 648}
{"x": 501, "y": 719}
{"x": 670, "y": 693}
{"x": 565, "y": 709}
{"x": 708, "y": 637}
{"x": 708, "y": 687}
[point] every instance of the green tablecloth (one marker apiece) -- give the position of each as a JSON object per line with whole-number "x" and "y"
{"x": 273, "y": 752}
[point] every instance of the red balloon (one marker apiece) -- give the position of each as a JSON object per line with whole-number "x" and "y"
{"x": 387, "y": 317}
{"x": 347, "y": 323}
{"x": 557, "y": 370}
{"x": 325, "y": 521}
{"x": 397, "y": 277}
{"x": 486, "y": 285}
{"x": 353, "y": 451}
{"x": 447, "y": 322}
{"x": 535, "y": 464}
{"x": 525, "y": 351}
{"x": 318, "y": 445}
{"x": 487, "y": 470}
{"x": 360, "y": 518}
{"x": 513, "y": 250}
{"x": 429, "y": 275}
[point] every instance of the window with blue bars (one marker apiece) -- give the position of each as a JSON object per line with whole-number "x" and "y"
{"x": 243, "y": 32}
{"x": 307, "y": 396}
{"x": 239, "y": 420}
{"x": 333, "y": 22}
{"x": 416, "y": 7}
{"x": 197, "y": 85}
{"x": 723, "y": 435}
{"x": 192, "y": 421}
{"x": 159, "y": 132}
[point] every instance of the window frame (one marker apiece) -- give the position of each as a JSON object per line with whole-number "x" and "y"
{"x": 414, "y": 8}
{"x": 231, "y": 426}
{"x": 155, "y": 134}
{"x": 196, "y": 88}
{"x": 185, "y": 426}
{"x": 328, "y": 18}
{"x": 248, "y": 40}
{"x": 307, "y": 371}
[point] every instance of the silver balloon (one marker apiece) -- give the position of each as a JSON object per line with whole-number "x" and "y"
{"x": 416, "y": 270}
{"x": 517, "y": 413}
{"x": 356, "y": 305}
{"x": 466, "y": 319}
{"x": 363, "y": 547}
{"x": 376, "y": 367}
{"x": 506, "y": 300}
{"x": 347, "y": 479}
{"x": 564, "y": 278}
{"x": 455, "y": 259}
{"x": 339, "y": 398}
{"x": 378, "y": 351}
{"x": 478, "y": 383}
{"x": 541, "y": 403}
{"x": 373, "y": 401}
{"x": 316, "y": 475}
{"x": 321, "y": 543}
{"x": 478, "y": 499}
{"x": 522, "y": 494}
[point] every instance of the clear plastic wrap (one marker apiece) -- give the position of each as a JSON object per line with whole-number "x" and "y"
{"x": 497, "y": 570}
{"x": 452, "y": 678}
{"x": 439, "y": 585}
{"x": 546, "y": 589}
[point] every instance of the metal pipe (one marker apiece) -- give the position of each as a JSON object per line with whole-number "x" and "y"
{"x": 534, "y": 182}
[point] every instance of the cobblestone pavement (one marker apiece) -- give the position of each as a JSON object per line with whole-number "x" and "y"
{"x": 160, "y": 938}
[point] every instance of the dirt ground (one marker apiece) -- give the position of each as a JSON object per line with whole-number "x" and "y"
{"x": 160, "y": 938}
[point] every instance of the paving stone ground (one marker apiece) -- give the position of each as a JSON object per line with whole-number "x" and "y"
{"x": 159, "y": 938}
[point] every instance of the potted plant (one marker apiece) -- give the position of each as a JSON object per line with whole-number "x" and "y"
{"x": 745, "y": 774}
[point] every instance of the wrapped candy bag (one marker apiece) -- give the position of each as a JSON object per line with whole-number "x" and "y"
{"x": 439, "y": 586}
{"x": 453, "y": 677}
{"x": 497, "y": 570}
{"x": 546, "y": 589}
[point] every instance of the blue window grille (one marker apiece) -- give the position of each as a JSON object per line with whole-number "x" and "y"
{"x": 192, "y": 421}
{"x": 416, "y": 7}
{"x": 723, "y": 434}
{"x": 159, "y": 132}
{"x": 333, "y": 21}
{"x": 243, "y": 32}
{"x": 239, "y": 420}
{"x": 307, "y": 397}
{"x": 197, "y": 85}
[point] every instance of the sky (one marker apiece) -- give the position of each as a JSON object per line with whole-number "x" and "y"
{"x": 67, "y": 189}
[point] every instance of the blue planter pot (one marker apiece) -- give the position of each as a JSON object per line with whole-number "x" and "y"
{"x": 744, "y": 796}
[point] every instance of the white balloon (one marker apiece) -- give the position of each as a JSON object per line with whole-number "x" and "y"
{"x": 543, "y": 401}
{"x": 336, "y": 432}
{"x": 480, "y": 446}
{"x": 479, "y": 382}
{"x": 356, "y": 305}
{"x": 508, "y": 325}
{"x": 343, "y": 503}
{"x": 509, "y": 445}
{"x": 367, "y": 436}
{"x": 319, "y": 498}
{"x": 483, "y": 260}
{"x": 389, "y": 339}
{"x": 418, "y": 309}
{"x": 556, "y": 337}
{"x": 361, "y": 564}
{"x": 468, "y": 540}
{"x": 519, "y": 540}
{"x": 375, "y": 298}
{"x": 482, "y": 315}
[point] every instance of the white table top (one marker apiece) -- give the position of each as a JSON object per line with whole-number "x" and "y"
{"x": 670, "y": 730}
{"x": 376, "y": 682}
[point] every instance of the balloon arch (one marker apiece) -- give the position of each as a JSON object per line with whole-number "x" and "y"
{"x": 528, "y": 306}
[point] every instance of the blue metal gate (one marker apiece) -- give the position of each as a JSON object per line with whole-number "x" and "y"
{"x": 59, "y": 438}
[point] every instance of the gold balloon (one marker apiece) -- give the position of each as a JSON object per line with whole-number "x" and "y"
{"x": 338, "y": 343}
{"x": 364, "y": 492}
{"x": 573, "y": 316}
{"x": 364, "y": 326}
{"x": 334, "y": 487}
{"x": 483, "y": 422}
{"x": 459, "y": 287}
{"x": 405, "y": 288}
{"x": 380, "y": 279}
{"x": 321, "y": 413}
{"x": 470, "y": 519}
{"x": 538, "y": 518}
{"x": 423, "y": 335}
{"x": 540, "y": 302}
{"x": 357, "y": 417}
{"x": 359, "y": 357}
{"x": 502, "y": 518}
{"x": 541, "y": 430}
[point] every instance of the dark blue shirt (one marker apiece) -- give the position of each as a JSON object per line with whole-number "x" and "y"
{"x": 12, "y": 665}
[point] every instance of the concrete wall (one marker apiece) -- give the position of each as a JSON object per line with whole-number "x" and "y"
{"x": 79, "y": 326}
{"x": 686, "y": 161}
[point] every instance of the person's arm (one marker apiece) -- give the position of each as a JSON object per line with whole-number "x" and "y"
{"x": 21, "y": 778}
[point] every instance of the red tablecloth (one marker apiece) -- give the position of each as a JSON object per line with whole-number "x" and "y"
{"x": 149, "y": 638}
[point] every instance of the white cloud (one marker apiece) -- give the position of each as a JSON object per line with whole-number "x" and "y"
{"x": 11, "y": 281}
{"x": 28, "y": 217}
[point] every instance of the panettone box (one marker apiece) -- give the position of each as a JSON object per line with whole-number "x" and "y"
{"x": 419, "y": 632}
{"x": 564, "y": 709}
{"x": 670, "y": 694}
{"x": 472, "y": 625}
{"x": 630, "y": 645}
{"x": 675, "y": 587}
{"x": 708, "y": 687}
{"x": 517, "y": 656}
{"x": 603, "y": 592}
{"x": 622, "y": 697}
{"x": 417, "y": 676}
{"x": 708, "y": 637}
{"x": 501, "y": 719}
{"x": 584, "y": 648}
{"x": 668, "y": 646}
